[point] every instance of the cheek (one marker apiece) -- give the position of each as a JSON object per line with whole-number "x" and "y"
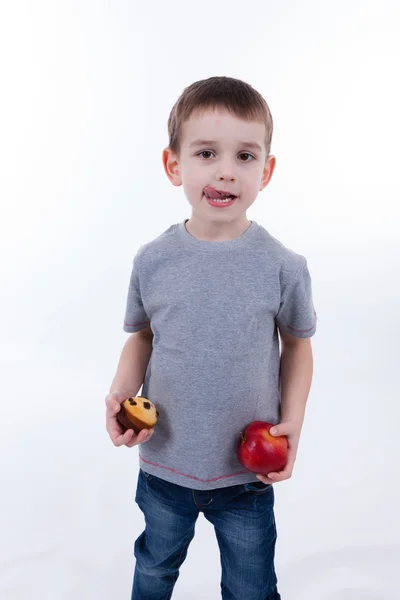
{"x": 252, "y": 179}
{"x": 192, "y": 188}
{"x": 194, "y": 180}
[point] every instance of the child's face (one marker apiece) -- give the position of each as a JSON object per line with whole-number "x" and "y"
{"x": 224, "y": 160}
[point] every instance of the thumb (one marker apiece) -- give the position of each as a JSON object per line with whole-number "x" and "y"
{"x": 113, "y": 400}
{"x": 281, "y": 429}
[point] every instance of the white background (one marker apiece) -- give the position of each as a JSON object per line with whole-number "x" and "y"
{"x": 86, "y": 90}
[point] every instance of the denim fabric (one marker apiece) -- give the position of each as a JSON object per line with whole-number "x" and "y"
{"x": 244, "y": 523}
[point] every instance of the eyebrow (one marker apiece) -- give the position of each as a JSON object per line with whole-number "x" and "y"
{"x": 214, "y": 143}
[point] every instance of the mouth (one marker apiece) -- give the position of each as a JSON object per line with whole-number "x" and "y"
{"x": 219, "y": 198}
{"x": 220, "y": 203}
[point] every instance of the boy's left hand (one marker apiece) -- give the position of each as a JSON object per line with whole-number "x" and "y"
{"x": 292, "y": 432}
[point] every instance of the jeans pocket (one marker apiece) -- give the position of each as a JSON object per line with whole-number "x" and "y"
{"x": 256, "y": 488}
{"x": 146, "y": 475}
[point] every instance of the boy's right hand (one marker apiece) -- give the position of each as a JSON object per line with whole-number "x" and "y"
{"x": 116, "y": 431}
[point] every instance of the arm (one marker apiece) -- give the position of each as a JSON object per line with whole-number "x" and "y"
{"x": 127, "y": 382}
{"x": 295, "y": 378}
{"x": 133, "y": 363}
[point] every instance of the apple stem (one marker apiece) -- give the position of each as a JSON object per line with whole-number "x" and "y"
{"x": 242, "y": 437}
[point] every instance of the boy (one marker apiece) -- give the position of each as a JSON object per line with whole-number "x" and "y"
{"x": 207, "y": 302}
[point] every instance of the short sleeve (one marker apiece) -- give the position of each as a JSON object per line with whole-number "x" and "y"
{"x": 296, "y": 314}
{"x": 135, "y": 315}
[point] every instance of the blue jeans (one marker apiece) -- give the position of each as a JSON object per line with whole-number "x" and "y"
{"x": 244, "y": 524}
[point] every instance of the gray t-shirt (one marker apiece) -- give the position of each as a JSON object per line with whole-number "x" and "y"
{"x": 214, "y": 308}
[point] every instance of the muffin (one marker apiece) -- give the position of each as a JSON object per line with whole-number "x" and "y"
{"x": 137, "y": 413}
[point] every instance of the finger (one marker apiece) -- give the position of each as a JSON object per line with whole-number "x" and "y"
{"x": 113, "y": 409}
{"x": 290, "y": 460}
{"x": 285, "y": 474}
{"x": 274, "y": 475}
{"x": 113, "y": 423}
{"x": 263, "y": 478}
{"x": 113, "y": 403}
{"x": 132, "y": 443}
{"x": 115, "y": 430}
{"x": 281, "y": 429}
{"x": 143, "y": 436}
{"x": 123, "y": 439}
{"x": 111, "y": 397}
{"x": 267, "y": 478}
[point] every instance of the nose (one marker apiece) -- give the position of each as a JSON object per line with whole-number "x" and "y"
{"x": 226, "y": 172}
{"x": 225, "y": 177}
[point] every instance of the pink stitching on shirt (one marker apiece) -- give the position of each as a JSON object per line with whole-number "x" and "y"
{"x": 135, "y": 324}
{"x": 192, "y": 476}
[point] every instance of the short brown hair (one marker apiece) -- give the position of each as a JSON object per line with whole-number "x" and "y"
{"x": 237, "y": 96}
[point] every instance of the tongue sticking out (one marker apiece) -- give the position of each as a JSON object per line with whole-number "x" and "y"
{"x": 212, "y": 193}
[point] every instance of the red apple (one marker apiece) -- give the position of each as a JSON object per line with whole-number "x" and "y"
{"x": 259, "y": 451}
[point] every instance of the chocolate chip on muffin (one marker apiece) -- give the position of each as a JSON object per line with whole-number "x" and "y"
{"x": 138, "y": 413}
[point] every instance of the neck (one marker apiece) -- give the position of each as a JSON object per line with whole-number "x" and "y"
{"x": 212, "y": 231}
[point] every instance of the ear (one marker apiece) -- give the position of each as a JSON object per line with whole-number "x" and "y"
{"x": 268, "y": 171}
{"x": 171, "y": 166}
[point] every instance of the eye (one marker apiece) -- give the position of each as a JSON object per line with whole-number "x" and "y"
{"x": 246, "y": 154}
{"x": 205, "y": 152}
